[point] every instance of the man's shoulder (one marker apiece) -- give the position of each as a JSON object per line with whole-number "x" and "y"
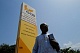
{"x": 39, "y": 36}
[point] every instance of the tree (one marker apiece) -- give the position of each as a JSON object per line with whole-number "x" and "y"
{"x": 69, "y": 50}
{"x": 65, "y": 50}
{"x": 5, "y": 48}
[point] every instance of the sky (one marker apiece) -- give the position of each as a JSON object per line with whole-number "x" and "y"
{"x": 62, "y": 17}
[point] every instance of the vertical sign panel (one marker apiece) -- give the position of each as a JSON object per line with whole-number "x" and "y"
{"x": 27, "y": 30}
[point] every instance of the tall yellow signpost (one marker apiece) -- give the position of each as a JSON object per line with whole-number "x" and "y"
{"x": 27, "y": 29}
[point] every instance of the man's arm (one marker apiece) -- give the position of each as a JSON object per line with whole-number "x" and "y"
{"x": 54, "y": 43}
{"x": 35, "y": 48}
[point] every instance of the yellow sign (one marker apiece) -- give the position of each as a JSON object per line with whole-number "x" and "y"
{"x": 26, "y": 8}
{"x": 27, "y": 30}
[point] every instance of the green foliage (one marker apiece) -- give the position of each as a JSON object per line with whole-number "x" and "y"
{"x": 5, "y": 48}
{"x": 69, "y": 50}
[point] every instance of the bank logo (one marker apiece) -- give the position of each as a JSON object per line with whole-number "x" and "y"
{"x": 26, "y": 8}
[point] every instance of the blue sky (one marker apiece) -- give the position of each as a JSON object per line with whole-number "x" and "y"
{"x": 62, "y": 16}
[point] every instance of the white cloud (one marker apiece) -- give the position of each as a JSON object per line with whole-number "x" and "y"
{"x": 73, "y": 46}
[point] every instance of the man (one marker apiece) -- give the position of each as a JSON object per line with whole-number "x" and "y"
{"x": 42, "y": 43}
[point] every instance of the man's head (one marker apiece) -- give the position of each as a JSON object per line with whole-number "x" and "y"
{"x": 44, "y": 28}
